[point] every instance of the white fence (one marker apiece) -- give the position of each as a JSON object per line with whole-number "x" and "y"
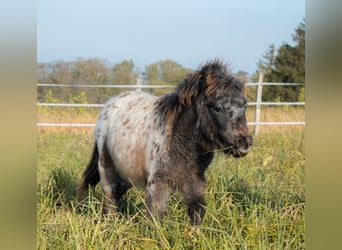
{"x": 257, "y": 123}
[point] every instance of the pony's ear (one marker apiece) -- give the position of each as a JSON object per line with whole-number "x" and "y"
{"x": 213, "y": 72}
{"x": 244, "y": 89}
{"x": 210, "y": 83}
{"x": 243, "y": 80}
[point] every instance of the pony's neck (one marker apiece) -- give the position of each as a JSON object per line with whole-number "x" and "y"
{"x": 188, "y": 142}
{"x": 187, "y": 136}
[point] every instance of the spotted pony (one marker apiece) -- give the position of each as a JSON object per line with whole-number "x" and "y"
{"x": 166, "y": 143}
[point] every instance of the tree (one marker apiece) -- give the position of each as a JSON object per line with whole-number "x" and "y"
{"x": 81, "y": 71}
{"x": 266, "y": 64}
{"x": 123, "y": 73}
{"x": 60, "y": 71}
{"x": 92, "y": 70}
{"x": 152, "y": 74}
{"x": 42, "y": 73}
{"x": 172, "y": 72}
{"x": 165, "y": 72}
{"x": 288, "y": 65}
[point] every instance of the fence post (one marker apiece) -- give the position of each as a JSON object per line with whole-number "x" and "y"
{"x": 139, "y": 83}
{"x": 258, "y": 103}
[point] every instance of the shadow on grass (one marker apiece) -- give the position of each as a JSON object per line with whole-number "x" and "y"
{"x": 60, "y": 188}
{"x": 243, "y": 195}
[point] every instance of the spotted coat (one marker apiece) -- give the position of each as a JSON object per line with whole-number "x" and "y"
{"x": 167, "y": 143}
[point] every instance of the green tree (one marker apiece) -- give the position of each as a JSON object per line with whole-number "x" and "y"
{"x": 152, "y": 74}
{"x": 92, "y": 70}
{"x": 165, "y": 72}
{"x": 81, "y": 71}
{"x": 42, "y": 73}
{"x": 172, "y": 72}
{"x": 266, "y": 64}
{"x": 60, "y": 71}
{"x": 287, "y": 65}
{"x": 124, "y": 73}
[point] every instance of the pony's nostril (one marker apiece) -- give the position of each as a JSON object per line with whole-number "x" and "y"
{"x": 240, "y": 142}
{"x": 249, "y": 141}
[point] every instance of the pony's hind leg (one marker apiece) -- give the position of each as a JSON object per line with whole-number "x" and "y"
{"x": 121, "y": 188}
{"x": 110, "y": 182}
{"x": 113, "y": 188}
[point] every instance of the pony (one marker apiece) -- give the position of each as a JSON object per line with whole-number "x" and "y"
{"x": 166, "y": 143}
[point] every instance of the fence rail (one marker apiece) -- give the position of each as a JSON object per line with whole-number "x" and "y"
{"x": 140, "y": 86}
{"x": 122, "y": 86}
{"x": 70, "y": 105}
{"x": 48, "y": 124}
{"x": 102, "y": 105}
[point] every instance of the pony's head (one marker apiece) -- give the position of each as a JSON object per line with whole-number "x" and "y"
{"x": 218, "y": 99}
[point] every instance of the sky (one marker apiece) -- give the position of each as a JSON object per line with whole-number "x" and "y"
{"x": 189, "y": 32}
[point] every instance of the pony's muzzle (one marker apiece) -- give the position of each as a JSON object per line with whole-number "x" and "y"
{"x": 244, "y": 144}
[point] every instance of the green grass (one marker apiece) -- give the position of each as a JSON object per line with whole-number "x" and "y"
{"x": 256, "y": 202}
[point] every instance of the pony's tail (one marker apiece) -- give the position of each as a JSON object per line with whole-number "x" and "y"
{"x": 90, "y": 175}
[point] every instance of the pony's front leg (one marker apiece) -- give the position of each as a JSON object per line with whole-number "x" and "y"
{"x": 157, "y": 193}
{"x": 193, "y": 193}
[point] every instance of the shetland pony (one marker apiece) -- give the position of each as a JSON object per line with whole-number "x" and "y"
{"x": 166, "y": 143}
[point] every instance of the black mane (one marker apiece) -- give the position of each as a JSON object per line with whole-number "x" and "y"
{"x": 210, "y": 80}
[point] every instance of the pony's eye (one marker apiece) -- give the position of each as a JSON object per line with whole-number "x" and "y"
{"x": 218, "y": 108}
{"x": 231, "y": 114}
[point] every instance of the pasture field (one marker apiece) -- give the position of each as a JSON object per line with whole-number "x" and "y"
{"x": 255, "y": 202}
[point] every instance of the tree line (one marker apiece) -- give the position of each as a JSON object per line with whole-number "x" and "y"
{"x": 99, "y": 71}
{"x": 285, "y": 64}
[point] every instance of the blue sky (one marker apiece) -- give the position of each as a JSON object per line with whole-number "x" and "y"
{"x": 188, "y": 32}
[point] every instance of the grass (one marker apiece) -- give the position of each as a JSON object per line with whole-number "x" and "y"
{"x": 256, "y": 202}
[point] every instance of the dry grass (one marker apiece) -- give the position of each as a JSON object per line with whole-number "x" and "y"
{"x": 89, "y": 115}
{"x": 278, "y": 114}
